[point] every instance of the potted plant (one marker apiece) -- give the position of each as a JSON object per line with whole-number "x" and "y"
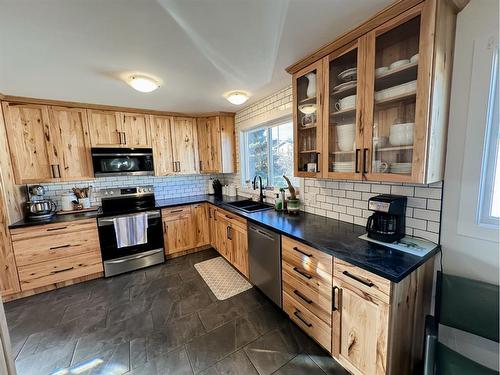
{"x": 293, "y": 203}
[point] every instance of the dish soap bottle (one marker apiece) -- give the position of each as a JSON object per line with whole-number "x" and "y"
{"x": 278, "y": 203}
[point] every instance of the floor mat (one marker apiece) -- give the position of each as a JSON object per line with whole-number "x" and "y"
{"x": 222, "y": 278}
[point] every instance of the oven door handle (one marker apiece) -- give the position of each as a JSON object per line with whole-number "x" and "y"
{"x": 102, "y": 221}
{"x": 133, "y": 257}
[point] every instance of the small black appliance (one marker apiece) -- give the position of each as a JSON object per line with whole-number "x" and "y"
{"x": 387, "y": 223}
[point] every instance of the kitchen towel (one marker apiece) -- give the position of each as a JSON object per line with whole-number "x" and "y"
{"x": 131, "y": 230}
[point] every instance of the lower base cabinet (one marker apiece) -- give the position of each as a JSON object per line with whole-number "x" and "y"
{"x": 56, "y": 253}
{"x": 371, "y": 325}
{"x": 185, "y": 228}
{"x": 230, "y": 238}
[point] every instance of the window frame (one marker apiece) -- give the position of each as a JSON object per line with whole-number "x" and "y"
{"x": 244, "y": 157}
{"x": 489, "y": 167}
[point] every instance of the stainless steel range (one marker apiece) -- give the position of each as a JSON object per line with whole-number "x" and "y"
{"x": 130, "y": 230}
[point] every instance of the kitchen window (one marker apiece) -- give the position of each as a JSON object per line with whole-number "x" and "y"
{"x": 489, "y": 208}
{"x": 268, "y": 153}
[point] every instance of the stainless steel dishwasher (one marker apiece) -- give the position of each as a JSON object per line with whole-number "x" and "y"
{"x": 264, "y": 256}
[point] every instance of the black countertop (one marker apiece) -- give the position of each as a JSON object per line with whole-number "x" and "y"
{"x": 55, "y": 219}
{"x": 331, "y": 236}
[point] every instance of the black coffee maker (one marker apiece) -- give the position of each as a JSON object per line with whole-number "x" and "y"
{"x": 387, "y": 223}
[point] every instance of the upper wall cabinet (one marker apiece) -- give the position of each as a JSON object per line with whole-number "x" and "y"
{"x": 119, "y": 129}
{"x": 185, "y": 145}
{"x": 161, "y": 134}
{"x": 376, "y": 107}
{"x": 47, "y": 143}
{"x": 307, "y": 95}
{"x": 216, "y": 144}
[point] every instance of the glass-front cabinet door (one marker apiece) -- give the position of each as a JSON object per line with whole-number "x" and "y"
{"x": 395, "y": 101}
{"x": 343, "y": 137}
{"x": 308, "y": 120}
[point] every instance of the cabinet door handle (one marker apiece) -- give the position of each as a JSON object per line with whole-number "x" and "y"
{"x": 356, "y": 160}
{"x": 58, "y": 171}
{"x": 365, "y": 152}
{"x": 53, "y": 169}
{"x": 307, "y": 276}
{"x": 297, "y": 314}
{"x": 63, "y": 270}
{"x": 334, "y": 307}
{"x": 302, "y": 252}
{"x": 59, "y": 247}
{"x": 52, "y": 229}
{"x": 209, "y": 213}
{"x": 366, "y": 282}
{"x": 178, "y": 166}
{"x": 124, "y": 138}
{"x": 201, "y": 165}
{"x": 164, "y": 228}
{"x": 301, "y": 296}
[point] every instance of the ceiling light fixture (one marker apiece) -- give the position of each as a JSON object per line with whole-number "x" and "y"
{"x": 143, "y": 83}
{"x": 237, "y": 97}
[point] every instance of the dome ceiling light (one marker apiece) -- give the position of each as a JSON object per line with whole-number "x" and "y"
{"x": 143, "y": 83}
{"x": 237, "y": 97}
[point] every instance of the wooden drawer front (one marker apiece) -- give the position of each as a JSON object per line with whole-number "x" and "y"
{"x": 233, "y": 218}
{"x": 299, "y": 254}
{"x": 321, "y": 285}
{"x": 176, "y": 211}
{"x": 319, "y": 304}
{"x": 53, "y": 229}
{"x": 53, "y": 248}
{"x": 310, "y": 323}
{"x": 365, "y": 281}
{"x": 46, "y": 273}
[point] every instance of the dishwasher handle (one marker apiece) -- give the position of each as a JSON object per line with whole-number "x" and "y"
{"x": 270, "y": 236}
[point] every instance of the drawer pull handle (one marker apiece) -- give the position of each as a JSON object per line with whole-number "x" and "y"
{"x": 66, "y": 269}
{"x": 300, "y": 295}
{"x": 334, "y": 307}
{"x": 302, "y": 273}
{"x": 366, "y": 282}
{"x": 59, "y": 247}
{"x": 302, "y": 252}
{"x": 51, "y": 229}
{"x": 297, "y": 314}
{"x": 176, "y": 211}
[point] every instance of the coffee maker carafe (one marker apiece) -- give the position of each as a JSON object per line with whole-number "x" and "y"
{"x": 387, "y": 223}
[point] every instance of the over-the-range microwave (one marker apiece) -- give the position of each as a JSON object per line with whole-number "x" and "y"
{"x": 122, "y": 161}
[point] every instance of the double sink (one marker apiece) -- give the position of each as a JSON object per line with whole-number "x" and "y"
{"x": 249, "y": 205}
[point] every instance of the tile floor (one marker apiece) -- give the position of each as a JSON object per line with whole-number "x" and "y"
{"x": 162, "y": 320}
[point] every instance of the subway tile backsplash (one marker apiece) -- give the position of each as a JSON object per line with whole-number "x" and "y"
{"x": 164, "y": 187}
{"x": 348, "y": 200}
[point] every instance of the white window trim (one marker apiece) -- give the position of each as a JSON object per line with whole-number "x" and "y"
{"x": 243, "y": 155}
{"x": 490, "y": 150}
{"x": 469, "y": 184}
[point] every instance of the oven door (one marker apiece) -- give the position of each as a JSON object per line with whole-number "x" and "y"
{"x": 122, "y": 162}
{"x": 109, "y": 246}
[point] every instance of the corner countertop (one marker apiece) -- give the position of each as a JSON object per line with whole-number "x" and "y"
{"x": 334, "y": 237}
{"x": 331, "y": 236}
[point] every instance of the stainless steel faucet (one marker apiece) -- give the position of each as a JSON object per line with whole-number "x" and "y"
{"x": 261, "y": 194}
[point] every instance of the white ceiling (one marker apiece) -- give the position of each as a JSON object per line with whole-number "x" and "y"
{"x": 77, "y": 50}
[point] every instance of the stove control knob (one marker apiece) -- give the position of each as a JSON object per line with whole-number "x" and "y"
{"x": 111, "y": 192}
{"x": 141, "y": 190}
{"x": 150, "y": 189}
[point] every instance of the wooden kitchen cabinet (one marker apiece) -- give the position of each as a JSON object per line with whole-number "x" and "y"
{"x": 136, "y": 130}
{"x": 216, "y": 144}
{"x": 376, "y": 107}
{"x": 48, "y": 144}
{"x": 50, "y": 254}
{"x": 28, "y": 132}
{"x": 308, "y": 96}
{"x": 161, "y": 134}
{"x": 231, "y": 239}
{"x": 185, "y": 145}
{"x": 70, "y": 149}
{"x": 377, "y": 325}
{"x": 201, "y": 224}
{"x": 104, "y": 128}
{"x": 178, "y": 229}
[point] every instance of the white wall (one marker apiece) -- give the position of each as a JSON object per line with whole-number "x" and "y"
{"x": 469, "y": 250}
